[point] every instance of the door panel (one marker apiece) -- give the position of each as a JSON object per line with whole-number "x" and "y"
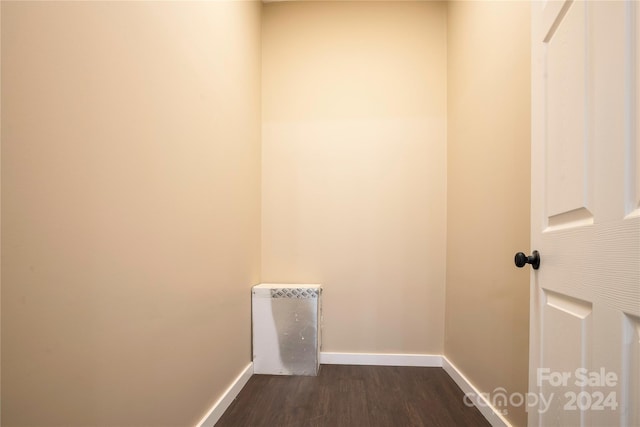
{"x": 631, "y": 368}
{"x": 585, "y": 298}
{"x": 567, "y": 323}
{"x": 566, "y": 138}
{"x": 633, "y": 91}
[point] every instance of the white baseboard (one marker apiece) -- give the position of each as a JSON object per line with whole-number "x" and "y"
{"x": 221, "y": 405}
{"x": 381, "y": 359}
{"x": 495, "y": 417}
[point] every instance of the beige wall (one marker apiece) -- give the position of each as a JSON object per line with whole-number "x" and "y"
{"x": 131, "y": 208}
{"x": 487, "y": 303}
{"x": 354, "y": 166}
{"x": 131, "y": 193}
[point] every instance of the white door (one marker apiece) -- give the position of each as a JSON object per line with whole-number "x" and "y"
{"x": 585, "y": 297}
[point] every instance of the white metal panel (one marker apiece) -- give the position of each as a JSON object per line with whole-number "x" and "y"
{"x": 286, "y": 329}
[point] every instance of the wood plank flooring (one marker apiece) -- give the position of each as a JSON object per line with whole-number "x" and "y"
{"x": 353, "y": 396}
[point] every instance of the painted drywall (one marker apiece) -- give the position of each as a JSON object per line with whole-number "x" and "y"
{"x": 487, "y": 298}
{"x": 354, "y": 166}
{"x": 131, "y": 208}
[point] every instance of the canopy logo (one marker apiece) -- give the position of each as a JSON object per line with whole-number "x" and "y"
{"x": 593, "y": 394}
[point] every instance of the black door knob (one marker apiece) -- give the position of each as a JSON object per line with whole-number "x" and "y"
{"x": 534, "y": 259}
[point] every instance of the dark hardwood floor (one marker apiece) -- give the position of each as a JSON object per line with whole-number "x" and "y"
{"x": 353, "y": 396}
